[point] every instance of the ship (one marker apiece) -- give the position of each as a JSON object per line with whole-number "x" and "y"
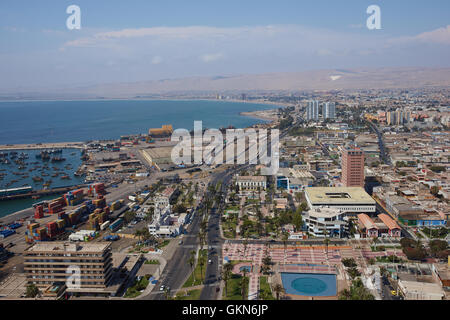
{"x": 58, "y": 159}
{"x": 15, "y": 191}
{"x": 37, "y": 179}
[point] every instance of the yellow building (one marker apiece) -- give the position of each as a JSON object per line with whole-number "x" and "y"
{"x": 165, "y": 130}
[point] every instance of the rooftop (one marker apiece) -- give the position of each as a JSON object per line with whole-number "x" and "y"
{"x": 69, "y": 247}
{"x": 252, "y": 178}
{"x": 338, "y": 195}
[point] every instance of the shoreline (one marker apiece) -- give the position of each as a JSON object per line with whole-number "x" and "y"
{"x": 258, "y": 114}
{"x": 276, "y": 105}
{"x": 44, "y": 145}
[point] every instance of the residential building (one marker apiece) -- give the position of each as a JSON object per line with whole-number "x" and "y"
{"x": 353, "y": 168}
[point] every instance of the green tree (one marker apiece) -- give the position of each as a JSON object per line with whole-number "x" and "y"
{"x": 191, "y": 262}
{"x": 297, "y": 221}
{"x": 278, "y": 289}
{"x": 226, "y": 275}
{"x": 32, "y": 290}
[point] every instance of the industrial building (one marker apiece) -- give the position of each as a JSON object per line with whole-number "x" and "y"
{"x": 349, "y": 200}
{"x": 165, "y": 130}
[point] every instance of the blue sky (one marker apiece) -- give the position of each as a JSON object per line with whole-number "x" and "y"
{"x": 146, "y": 40}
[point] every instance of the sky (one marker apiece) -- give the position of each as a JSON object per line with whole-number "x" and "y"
{"x": 139, "y": 40}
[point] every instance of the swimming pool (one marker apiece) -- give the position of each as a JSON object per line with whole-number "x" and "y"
{"x": 309, "y": 284}
{"x": 246, "y": 268}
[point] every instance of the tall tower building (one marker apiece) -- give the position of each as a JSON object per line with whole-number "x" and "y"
{"x": 312, "y": 110}
{"x": 329, "y": 110}
{"x": 353, "y": 168}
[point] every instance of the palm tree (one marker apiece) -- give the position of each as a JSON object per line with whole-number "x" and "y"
{"x": 226, "y": 275}
{"x": 192, "y": 263}
{"x": 245, "y": 243}
{"x": 138, "y": 233}
{"x": 201, "y": 263}
{"x": 285, "y": 237}
{"x": 167, "y": 293}
{"x": 326, "y": 241}
{"x": 278, "y": 289}
{"x": 375, "y": 241}
{"x": 243, "y": 283}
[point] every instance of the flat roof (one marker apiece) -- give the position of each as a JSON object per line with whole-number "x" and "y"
{"x": 338, "y": 195}
{"x": 58, "y": 247}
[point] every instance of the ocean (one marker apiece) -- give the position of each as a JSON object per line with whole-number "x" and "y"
{"x": 73, "y": 121}
{"x": 25, "y": 122}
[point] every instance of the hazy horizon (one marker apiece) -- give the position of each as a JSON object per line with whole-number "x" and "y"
{"x": 149, "y": 41}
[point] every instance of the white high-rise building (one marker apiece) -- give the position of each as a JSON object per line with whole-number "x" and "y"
{"x": 329, "y": 110}
{"x": 312, "y": 110}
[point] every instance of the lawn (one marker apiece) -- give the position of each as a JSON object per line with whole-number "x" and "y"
{"x": 265, "y": 293}
{"x": 191, "y": 295}
{"x": 163, "y": 244}
{"x": 203, "y": 254}
{"x": 234, "y": 288}
{"x": 134, "y": 291}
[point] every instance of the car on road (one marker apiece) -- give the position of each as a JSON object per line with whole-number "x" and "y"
{"x": 393, "y": 292}
{"x": 209, "y": 261}
{"x": 180, "y": 242}
{"x": 161, "y": 288}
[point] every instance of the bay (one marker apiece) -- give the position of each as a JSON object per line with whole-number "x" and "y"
{"x": 24, "y": 122}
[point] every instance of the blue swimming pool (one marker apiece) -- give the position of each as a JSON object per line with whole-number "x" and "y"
{"x": 246, "y": 268}
{"x": 309, "y": 284}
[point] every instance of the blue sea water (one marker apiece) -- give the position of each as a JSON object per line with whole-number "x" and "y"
{"x": 24, "y": 122}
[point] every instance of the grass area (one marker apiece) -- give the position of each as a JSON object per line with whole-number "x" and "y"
{"x": 198, "y": 271}
{"x": 435, "y": 233}
{"x": 265, "y": 293}
{"x": 234, "y": 288}
{"x": 389, "y": 259}
{"x": 151, "y": 262}
{"x": 163, "y": 244}
{"x": 134, "y": 290}
{"x": 191, "y": 295}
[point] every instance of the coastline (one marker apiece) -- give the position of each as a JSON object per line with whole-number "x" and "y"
{"x": 45, "y": 145}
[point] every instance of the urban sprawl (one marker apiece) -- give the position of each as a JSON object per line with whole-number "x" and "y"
{"x": 358, "y": 210}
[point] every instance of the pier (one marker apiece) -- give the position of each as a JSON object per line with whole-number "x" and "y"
{"x": 43, "y": 193}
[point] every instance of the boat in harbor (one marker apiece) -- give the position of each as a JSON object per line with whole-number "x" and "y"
{"x": 66, "y": 177}
{"x": 37, "y": 179}
{"x": 58, "y": 159}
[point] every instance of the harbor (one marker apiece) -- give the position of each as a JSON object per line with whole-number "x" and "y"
{"x": 37, "y": 173}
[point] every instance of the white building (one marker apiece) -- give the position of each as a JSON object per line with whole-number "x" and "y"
{"x": 351, "y": 200}
{"x": 330, "y": 222}
{"x": 251, "y": 182}
{"x": 312, "y": 110}
{"x": 329, "y": 110}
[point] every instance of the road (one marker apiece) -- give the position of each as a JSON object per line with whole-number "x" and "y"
{"x": 212, "y": 276}
{"x": 383, "y": 154}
